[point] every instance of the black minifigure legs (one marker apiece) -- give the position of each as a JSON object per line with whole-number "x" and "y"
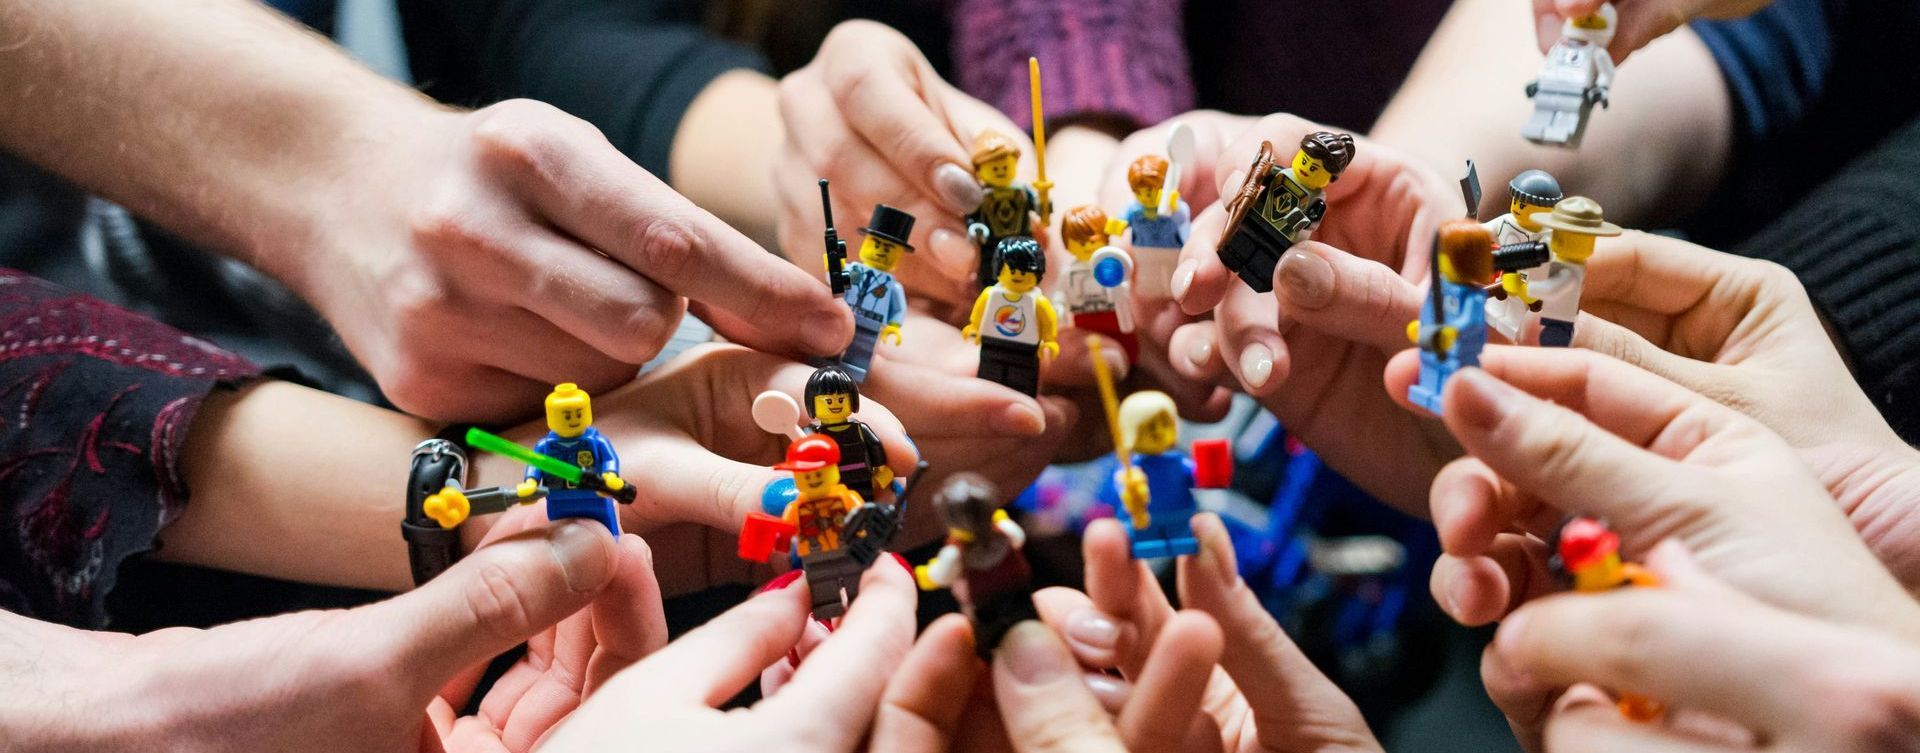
{"x": 1016, "y": 365}
{"x": 1253, "y": 252}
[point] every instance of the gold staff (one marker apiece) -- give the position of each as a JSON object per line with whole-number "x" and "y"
{"x": 1041, "y": 186}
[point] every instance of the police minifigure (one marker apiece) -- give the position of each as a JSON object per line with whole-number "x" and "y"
{"x": 1006, "y": 208}
{"x": 981, "y": 561}
{"x": 1452, "y": 328}
{"x": 832, "y": 399}
{"x": 1279, "y": 206}
{"x": 878, "y": 301}
{"x": 1096, "y": 288}
{"x": 1575, "y": 76}
{"x": 1575, "y": 222}
{"x": 1156, "y": 486}
{"x": 571, "y": 438}
{"x": 1014, "y": 324}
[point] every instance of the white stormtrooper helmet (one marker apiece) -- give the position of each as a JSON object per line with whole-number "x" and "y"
{"x": 1596, "y": 29}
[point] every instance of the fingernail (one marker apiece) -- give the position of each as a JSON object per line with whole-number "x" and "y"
{"x": 826, "y": 330}
{"x": 1484, "y": 401}
{"x": 1183, "y": 278}
{"x": 1032, "y": 654}
{"x": 780, "y": 581}
{"x": 1200, "y": 352}
{"x": 1116, "y": 358}
{"x": 576, "y": 545}
{"x": 1256, "y": 364}
{"x": 1454, "y": 595}
{"x": 1020, "y": 419}
{"x": 957, "y": 188}
{"x": 950, "y": 248}
{"x": 1109, "y": 690}
{"x": 1092, "y": 629}
{"x": 1307, "y": 279}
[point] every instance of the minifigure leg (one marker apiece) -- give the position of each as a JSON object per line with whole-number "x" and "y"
{"x": 576, "y": 503}
{"x": 1536, "y": 126}
{"x": 1555, "y": 333}
{"x": 859, "y": 355}
{"x": 830, "y": 574}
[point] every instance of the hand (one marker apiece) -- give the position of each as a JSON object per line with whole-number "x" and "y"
{"x": 352, "y": 680}
{"x": 890, "y": 333}
{"x": 448, "y": 507}
{"x": 672, "y": 697}
{"x": 1335, "y": 316}
{"x": 513, "y": 248}
{"x": 1798, "y": 683}
{"x": 870, "y": 114}
{"x": 1641, "y": 21}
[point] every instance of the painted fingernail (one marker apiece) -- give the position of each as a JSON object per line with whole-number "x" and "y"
{"x": 1032, "y": 654}
{"x": 1483, "y": 401}
{"x": 957, "y": 188}
{"x": 1109, "y": 690}
{"x": 1020, "y": 419}
{"x": 1116, "y": 358}
{"x": 949, "y": 249}
{"x": 1093, "y": 630}
{"x": 780, "y": 581}
{"x": 1183, "y": 278}
{"x": 1307, "y": 279}
{"x": 1456, "y": 593}
{"x": 574, "y": 545}
{"x": 1200, "y": 352}
{"x": 1256, "y": 365}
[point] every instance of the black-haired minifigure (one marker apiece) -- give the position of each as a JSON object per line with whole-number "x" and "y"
{"x": 981, "y": 561}
{"x": 1014, "y": 324}
{"x": 1279, "y": 206}
{"x": 832, "y": 398}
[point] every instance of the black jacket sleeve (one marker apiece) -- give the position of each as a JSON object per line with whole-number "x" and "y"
{"x": 1855, "y": 244}
{"x": 630, "y": 67}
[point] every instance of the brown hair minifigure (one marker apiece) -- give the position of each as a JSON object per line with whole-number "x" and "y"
{"x": 981, "y": 560}
{"x": 1149, "y": 171}
{"x": 1083, "y": 225}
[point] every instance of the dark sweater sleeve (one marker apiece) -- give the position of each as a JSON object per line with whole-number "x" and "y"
{"x": 1855, "y": 243}
{"x": 95, "y": 403}
{"x": 630, "y": 67}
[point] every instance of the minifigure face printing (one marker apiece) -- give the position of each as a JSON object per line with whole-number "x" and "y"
{"x": 880, "y": 254}
{"x": 1523, "y": 213}
{"x": 1310, "y": 172}
{"x": 815, "y": 483}
{"x": 1149, "y": 198}
{"x": 1156, "y": 434}
{"x": 569, "y": 411}
{"x": 1083, "y": 249}
{"x": 1016, "y": 281}
{"x": 997, "y": 172}
{"x": 832, "y": 407}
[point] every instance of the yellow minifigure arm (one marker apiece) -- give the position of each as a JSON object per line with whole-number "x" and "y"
{"x": 1010, "y": 529}
{"x": 1115, "y": 226}
{"x": 972, "y": 330}
{"x": 1049, "y": 326}
{"x": 1516, "y": 285}
{"x": 941, "y": 571}
{"x": 527, "y": 489}
{"x": 613, "y": 481}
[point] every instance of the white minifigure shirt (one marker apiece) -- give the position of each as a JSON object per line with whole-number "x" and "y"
{"x": 1558, "y": 289}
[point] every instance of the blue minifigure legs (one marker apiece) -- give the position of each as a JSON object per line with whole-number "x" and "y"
{"x": 1433, "y": 379}
{"x": 859, "y": 353}
{"x": 1170, "y": 539}
{"x": 580, "y": 503}
{"x": 1555, "y": 333}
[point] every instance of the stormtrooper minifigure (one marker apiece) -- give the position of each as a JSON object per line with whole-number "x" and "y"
{"x": 1575, "y": 76}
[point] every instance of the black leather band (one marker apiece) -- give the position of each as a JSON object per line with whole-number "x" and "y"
{"x": 430, "y": 548}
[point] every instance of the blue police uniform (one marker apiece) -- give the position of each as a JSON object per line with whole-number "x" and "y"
{"x": 565, "y": 499}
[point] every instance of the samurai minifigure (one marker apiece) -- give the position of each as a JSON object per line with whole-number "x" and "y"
{"x": 1006, "y": 208}
{"x": 1014, "y": 324}
{"x": 1279, "y": 206}
{"x": 1576, "y": 75}
{"x": 1097, "y": 287}
{"x": 1575, "y": 223}
{"x": 832, "y": 398}
{"x": 1452, "y": 328}
{"x": 878, "y": 300}
{"x": 572, "y": 439}
{"x": 981, "y": 561}
{"x": 1158, "y": 220}
{"x": 1156, "y": 484}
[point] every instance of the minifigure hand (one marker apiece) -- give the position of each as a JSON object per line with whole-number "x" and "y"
{"x": 527, "y": 488}
{"x": 922, "y": 579}
{"x": 882, "y": 478}
{"x": 1443, "y": 341}
{"x": 1596, "y": 96}
{"x": 1640, "y": 21}
{"x": 870, "y": 114}
{"x": 613, "y": 481}
{"x": 1049, "y": 349}
{"x": 891, "y": 333}
{"x": 970, "y": 333}
{"x": 1116, "y": 226}
{"x": 1533, "y": 88}
{"x": 448, "y": 507}
{"x": 1413, "y": 332}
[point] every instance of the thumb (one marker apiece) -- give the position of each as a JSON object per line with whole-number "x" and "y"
{"x": 1043, "y": 700}
{"x": 492, "y": 601}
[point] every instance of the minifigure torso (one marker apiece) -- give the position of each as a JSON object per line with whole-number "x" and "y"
{"x": 1285, "y": 205}
{"x": 1084, "y": 294}
{"x": 1006, "y": 211}
{"x": 1169, "y": 483}
{"x": 1507, "y": 231}
{"x": 1572, "y": 66}
{"x": 592, "y": 452}
{"x": 1465, "y": 309}
{"x": 820, "y": 521}
{"x": 860, "y": 451}
{"x": 1159, "y": 230}
{"x": 1011, "y": 319}
{"x": 1558, "y": 288}
{"x": 875, "y": 296}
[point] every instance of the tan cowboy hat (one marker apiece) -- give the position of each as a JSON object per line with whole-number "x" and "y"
{"x": 1576, "y": 214}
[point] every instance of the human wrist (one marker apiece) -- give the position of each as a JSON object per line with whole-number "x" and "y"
{"x": 723, "y": 148}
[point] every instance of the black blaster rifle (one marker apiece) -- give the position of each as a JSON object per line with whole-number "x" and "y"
{"x": 871, "y": 528}
{"x": 836, "y": 248}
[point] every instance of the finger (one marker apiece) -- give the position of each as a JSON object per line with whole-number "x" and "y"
{"x": 1194, "y": 352}
{"x": 1479, "y": 589}
{"x": 1123, "y": 587}
{"x": 1593, "y": 726}
{"x": 1471, "y": 505}
{"x": 526, "y": 344}
{"x": 629, "y": 620}
{"x": 886, "y": 98}
{"x": 1046, "y": 707}
{"x": 921, "y": 708}
{"x": 1250, "y": 342}
{"x": 703, "y": 488}
{"x": 833, "y": 697}
{"x": 1200, "y": 280}
{"x": 713, "y": 662}
{"x": 1172, "y": 683}
{"x": 489, "y": 602}
{"x": 1339, "y": 294}
{"x": 937, "y": 404}
{"x": 1093, "y": 636}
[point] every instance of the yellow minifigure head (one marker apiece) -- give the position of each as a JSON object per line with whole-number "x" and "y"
{"x": 832, "y": 396}
{"x": 1594, "y": 28}
{"x": 1147, "y": 176}
{"x": 880, "y": 254}
{"x": 1021, "y": 263}
{"x": 1575, "y": 223}
{"x": 1530, "y": 192}
{"x": 994, "y": 158}
{"x": 886, "y": 236}
{"x": 1322, "y": 157}
{"x": 1084, "y": 229}
{"x": 569, "y": 410}
{"x": 814, "y": 461}
{"x": 1149, "y": 423}
{"x": 1466, "y": 252}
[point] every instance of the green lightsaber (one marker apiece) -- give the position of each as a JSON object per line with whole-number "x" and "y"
{"x": 498, "y": 445}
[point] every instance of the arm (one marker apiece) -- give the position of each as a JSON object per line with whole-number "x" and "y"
{"x": 1049, "y": 325}
{"x": 941, "y": 571}
{"x": 1010, "y": 529}
{"x": 972, "y": 330}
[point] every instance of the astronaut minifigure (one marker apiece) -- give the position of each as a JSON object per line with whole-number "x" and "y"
{"x": 1575, "y": 222}
{"x": 1575, "y": 76}
{"x": 1014, "y": 324}
{"x": 878, "y": 300}
{"x": 981, "y": 561}
{"x": 571, "y": 438}
{"x": 1529, "y": 192}
{"x": 1156, "y": 486}
{"x": 1452, "y": 327}
{"x": 1006, "y": 208}
{"x": 1279, "y": 206}
{"x": 1097, "y": 287}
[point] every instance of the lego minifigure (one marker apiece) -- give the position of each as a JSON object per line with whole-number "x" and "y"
{"x": 572, "y": 439}
{"x": 981, "y": 561}
{"x": 1014, "y": 324}
{"x": 1006, "y": 208}
{"x": 878, "y": 300}
{"x": 814, "y": 523}
{"x": 1097, "y": 287}
{"x": 1575, "y": 222}
{"x": 1156, "y": 482}
{"x": 832, "y": 398}
{"x": 1586, "y": 556}
{"x": 1158, "y": 221}
{"x": 1529, "y": 192}
{"x": 1452, "y": 328}
{"x": 1575, "y": 76}
{"x": 1279, "y": 206}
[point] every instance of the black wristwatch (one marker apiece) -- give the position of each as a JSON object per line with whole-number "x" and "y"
{"x": 432, "y": 549}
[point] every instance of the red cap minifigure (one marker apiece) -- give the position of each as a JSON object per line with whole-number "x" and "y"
{"x": 1584, "y": 542}
{"x": 811, "y": 453}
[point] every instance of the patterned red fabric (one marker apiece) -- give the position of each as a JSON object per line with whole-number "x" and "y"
{"x": 95, "y": 403}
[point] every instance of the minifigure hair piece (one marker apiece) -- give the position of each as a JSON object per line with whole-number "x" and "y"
{"x": 992, "y": 145}
{"x": 1149, "y": 171}
{"x": 832, "y": 380}
{"x": 1022, "y": 254}
{"x": 1141, "y": 407}
{"x": 1083, "y": 224}
{"x": 1468, "y": 247}
{"x": 1335, "y": 150}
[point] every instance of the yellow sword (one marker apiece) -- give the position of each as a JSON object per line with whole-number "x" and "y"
{"x": 1041, "y": 186}
{"x": 1112, "y": 405}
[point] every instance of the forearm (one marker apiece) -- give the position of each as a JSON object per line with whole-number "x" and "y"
{"x": 1661, "y": 146}
{"x": 216, "y": 118}
{"x": 724, "y": 149}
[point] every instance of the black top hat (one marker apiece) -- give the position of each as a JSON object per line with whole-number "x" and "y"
{"x": 890, "y": 224}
